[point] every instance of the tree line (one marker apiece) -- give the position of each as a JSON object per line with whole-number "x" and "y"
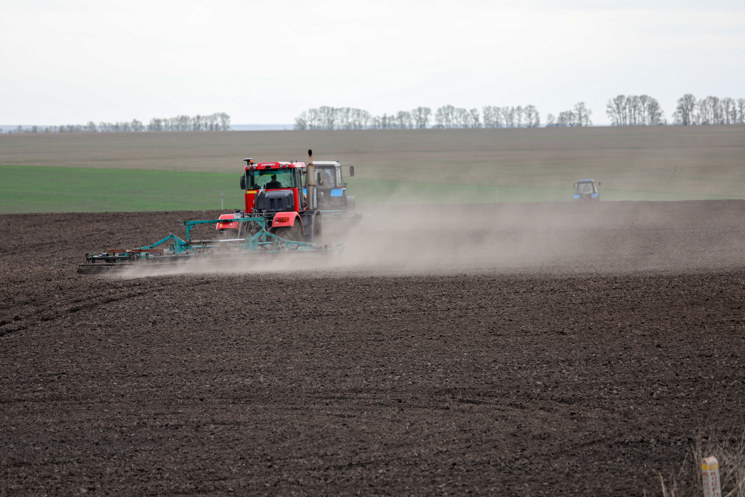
{"x": 709, "y": 111}
{"x": 447, "y": 116}
{"x": 623, "y": 110}
{"x": 219, "y": 121}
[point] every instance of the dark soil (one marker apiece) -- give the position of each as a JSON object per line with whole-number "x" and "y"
{"x": 548, "y": 349}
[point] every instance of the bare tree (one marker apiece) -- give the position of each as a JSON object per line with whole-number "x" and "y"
{"x": 445, "y": 116}
{"x": 155, "y": 125}
{"x": 582, "y": 114}
{"x": 403, "y": 119}
{"x": 633, "y": 110}
{"x": 708, "y": 110}
{"x": 616, "y": 110}
{"x": 474, "y": 118}
{"x": 327, "y": 116}
{"x": 654, "y": 113}
{"x": 685, "y": 113}
{"x": 729, "y": 110}
{"x": 491, "y": 116}
{"x": 518, "y": 112}
{"x": 362, "y": 118}
{"x": 532, "y": 117}
{"x": 642, "y": 117}
{"x": 301, "y": 123}
{"x": 508, "y": 116}
{"x": 421, "y": 115}
{"x": 566, "y": 118}
{"x": 342, "y": 118}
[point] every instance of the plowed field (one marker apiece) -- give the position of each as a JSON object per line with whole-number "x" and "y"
{"x": 515, "y": 349}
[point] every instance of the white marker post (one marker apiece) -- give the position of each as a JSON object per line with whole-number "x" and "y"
{"x": 710, "y": 477}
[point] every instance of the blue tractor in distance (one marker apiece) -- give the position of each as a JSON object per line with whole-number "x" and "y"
{"x": 586, "y": 189}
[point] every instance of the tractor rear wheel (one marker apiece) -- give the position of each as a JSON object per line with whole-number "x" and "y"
{"x": 292, "y": 234}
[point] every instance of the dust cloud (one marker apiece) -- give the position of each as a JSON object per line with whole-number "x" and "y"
{"x": 565, "y": 237}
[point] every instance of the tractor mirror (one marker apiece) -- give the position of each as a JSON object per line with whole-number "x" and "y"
{"x": 351, "y": 170}
{"x": 599, "y": 183}
{"x": 243, "y": 182}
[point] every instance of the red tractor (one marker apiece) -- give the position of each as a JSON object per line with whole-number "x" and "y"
{"x": 285, "y": 194}
{"x": 281, "y": 215}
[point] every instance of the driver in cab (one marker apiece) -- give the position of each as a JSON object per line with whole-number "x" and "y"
{"x": 274, "y": 183}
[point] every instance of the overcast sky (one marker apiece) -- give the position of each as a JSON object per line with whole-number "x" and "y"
{"x": 266, "y": 61}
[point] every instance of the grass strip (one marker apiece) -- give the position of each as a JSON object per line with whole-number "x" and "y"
{"x": 40, "y": 189}
{"x": 30, "y": 189}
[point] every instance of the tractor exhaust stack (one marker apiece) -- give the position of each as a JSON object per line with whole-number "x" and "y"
{"x": 312, "y": 194}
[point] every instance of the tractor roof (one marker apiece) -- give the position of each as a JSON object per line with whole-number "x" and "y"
{"x": 273, "y": 165}
{"x": 326, "y": 163}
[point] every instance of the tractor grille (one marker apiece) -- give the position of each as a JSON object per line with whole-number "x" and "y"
{"x": 275, "y": 201}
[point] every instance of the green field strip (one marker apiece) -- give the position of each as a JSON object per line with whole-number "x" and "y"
{"x": 28, "y": 189}
{"x": 40, "y": 189}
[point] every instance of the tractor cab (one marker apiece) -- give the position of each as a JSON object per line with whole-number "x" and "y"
{"x": 288, "y": 199}
{"x": 274, "y": 186}
{"x": 586, "y": 189}
{"x": 276, "y": 192}
{"x": 332, "y": 190}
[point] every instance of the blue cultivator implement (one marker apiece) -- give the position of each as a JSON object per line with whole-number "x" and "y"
{"x": 252, "y": 237}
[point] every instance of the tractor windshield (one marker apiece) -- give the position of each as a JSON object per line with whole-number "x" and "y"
{"x": 586, "y": 187}
{"x": 270, "y": 179}
{"x": 326, "y": 177}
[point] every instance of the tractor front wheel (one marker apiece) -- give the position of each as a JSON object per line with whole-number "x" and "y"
{"x": 228, "y": 233}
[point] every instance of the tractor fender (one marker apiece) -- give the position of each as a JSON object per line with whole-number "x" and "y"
{"x": 227, "y": 226}
{"x": 285, "y": 219}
